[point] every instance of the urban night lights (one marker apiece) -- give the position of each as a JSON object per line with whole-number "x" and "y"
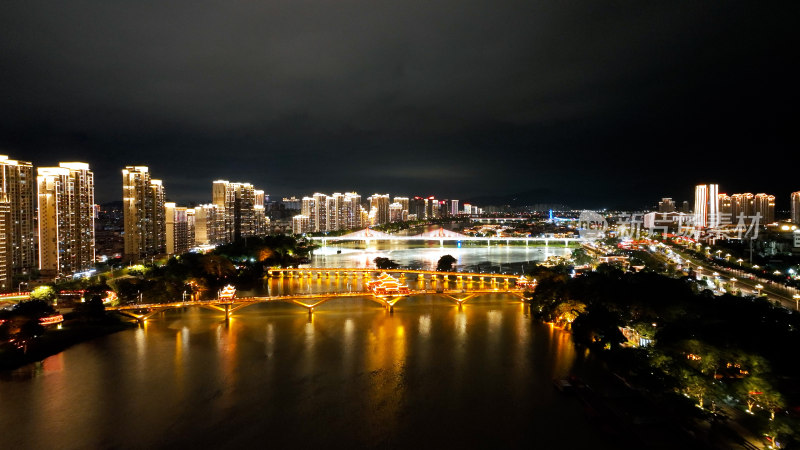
{"x": 453, "y": 224}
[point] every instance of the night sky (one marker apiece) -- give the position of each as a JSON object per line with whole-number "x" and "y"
{"x": 593, "y": 104}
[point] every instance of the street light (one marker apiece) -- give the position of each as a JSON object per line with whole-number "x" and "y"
{"x": 727, "y": 257}
{"x": 718, "y": 252}
{"x": 740, "y": 260}
{"x": 759, "y": 287}
{"x": 796, "y": 298}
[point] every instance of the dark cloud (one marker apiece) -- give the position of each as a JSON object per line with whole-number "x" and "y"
{"x": 595, "y": 102}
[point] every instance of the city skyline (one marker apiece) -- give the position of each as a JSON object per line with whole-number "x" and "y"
{"x": 404, "y": 224}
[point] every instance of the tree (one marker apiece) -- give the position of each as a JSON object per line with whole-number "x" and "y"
{"x": 33, "y": 309}
{"x": 754, "y": 390}
{"x": 694, "y": 384}
{"x": 580, "y": 257}
{"x": 445, "y": 263}
{"x": 44, "y": 293}
{"x": 385, "y": 263}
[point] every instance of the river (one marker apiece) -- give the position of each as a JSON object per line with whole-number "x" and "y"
{"x": 430, "y": 375}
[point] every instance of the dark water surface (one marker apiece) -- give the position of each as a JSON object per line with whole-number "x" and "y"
{"x": 428, "y": 376}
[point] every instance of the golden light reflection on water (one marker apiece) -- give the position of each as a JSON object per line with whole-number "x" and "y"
{"x": 384, "y": 367}
{"x": 181, "y": 341}
{"x": 562, "y": 350}
{"x": 424, "y": 327}
{"x": 228, "y": 336}
{"x": 140, "y": 337}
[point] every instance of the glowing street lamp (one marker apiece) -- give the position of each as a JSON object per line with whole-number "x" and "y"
{"x": 759, "y": 287}
{"x": 796, "y": 298}
{"x": 727, "y": 257}
{"x": 718, "y": 252}
{"x": 740, "y": 261}
{"x": 733, "y": 282}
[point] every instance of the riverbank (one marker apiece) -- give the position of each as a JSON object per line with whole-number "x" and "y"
{"x": 671, "y": 342}
{"x": 73, "y": 331}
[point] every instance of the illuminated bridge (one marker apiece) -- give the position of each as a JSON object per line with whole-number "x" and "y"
{"x": 440, "y": 235}
{"x": 366, "y": 272}
{"x": 308, "y": 301}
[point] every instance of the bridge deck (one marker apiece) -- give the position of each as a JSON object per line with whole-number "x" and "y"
{"x": 370, "y": 270}
{"x": 546, "y": 240}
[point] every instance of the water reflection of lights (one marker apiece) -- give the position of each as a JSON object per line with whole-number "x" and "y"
{"x": 269, "y": 347}
{"x": 141, "y": 342}
{"x": 461, "y": 324}
{"x": 495, "y": 324}
{"x": 425, "y": 325}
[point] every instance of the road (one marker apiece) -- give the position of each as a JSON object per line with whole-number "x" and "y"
{"x": 774, "y": 291}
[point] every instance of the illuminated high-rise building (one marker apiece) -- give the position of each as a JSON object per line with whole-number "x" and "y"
{"x": 365, "y": 221}
{"x": 725, "y": 206}
{"x": 397, "y": 213}
{"x": 380, "y": 202}
{"x": 418, "y": 206}
{"x": 706, "y": 206}
{"x": 352, "y": 211}
{"x": 209, "y": 225}
{"x": 666, "y": 205}
{"x": 765, "y": 206}
{"x": 701, "y": 206}
{"x": 308, "y": 208}
{"x": 454, "y": 211}
{"x": 796, "y": 207}
{"x": 144, "y": 216}
{"x": 260, "y": 215}
{"x": 403, "y": 202}
{"x": 320, "y": 214}
{"x": 432, "y": 208}
{"x": 66, "y": 219}
{"x": 713, "y": 206}
{"x": 334, "y": 205}
{"x": 238, "y": 203}
{"x": 18, "y": 183}
{"x": 301, "y": 224}
{"x": 177, "y": 236}
{"x": 742, "y": 207}
{"x": 6, "y": 268}
{"x": 191, "y": 219}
